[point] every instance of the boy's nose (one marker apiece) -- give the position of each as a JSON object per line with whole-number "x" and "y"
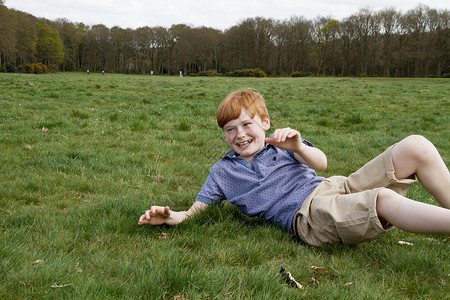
{"x": 241, "y": 132}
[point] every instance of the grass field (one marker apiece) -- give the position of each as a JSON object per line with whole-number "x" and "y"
{"x": 82, "y": 157}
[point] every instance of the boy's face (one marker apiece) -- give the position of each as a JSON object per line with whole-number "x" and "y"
{"x": 246, "y": 135}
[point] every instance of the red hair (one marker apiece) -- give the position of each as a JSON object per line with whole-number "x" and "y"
{"x": 231, "y": 107}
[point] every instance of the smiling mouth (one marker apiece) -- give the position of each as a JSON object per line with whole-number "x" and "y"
{"x": 243, "y": 144}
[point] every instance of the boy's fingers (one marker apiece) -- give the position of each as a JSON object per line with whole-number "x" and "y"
{"x": 293, "y": 133}
{"x": 281, "y": 134}
{"x": 154, "y": 211}
{"x": 160, "y": 211}
{"x": 277, "y": 135}
{"x": 286, "y": 134}
{"x": 281, "y": 137}
{"x": 141, "y": 219}
{"x": 166, "y": 211}
{"x": 273, "y": 141}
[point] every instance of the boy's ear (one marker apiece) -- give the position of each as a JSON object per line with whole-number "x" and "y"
{"x": 266, "y": 123}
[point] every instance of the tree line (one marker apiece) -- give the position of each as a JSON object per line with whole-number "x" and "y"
{"x": 368, "y": 43}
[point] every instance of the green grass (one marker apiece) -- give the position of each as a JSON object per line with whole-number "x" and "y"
{"x": 82, "y": 157}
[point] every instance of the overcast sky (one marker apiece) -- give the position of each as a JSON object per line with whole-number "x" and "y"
{"x": 219, "y": 14}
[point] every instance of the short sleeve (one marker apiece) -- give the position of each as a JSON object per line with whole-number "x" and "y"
{"x": 308, "y": 143}
{"x": 210, "y": 192}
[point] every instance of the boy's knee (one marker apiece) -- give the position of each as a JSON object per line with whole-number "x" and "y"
{"x": 417, "y": 139}
{"x": 385, "y": 194}
{"x": 418, "y": 147}
{"x": 385, "y": 198}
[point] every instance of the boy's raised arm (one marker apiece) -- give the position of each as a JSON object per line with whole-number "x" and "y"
{"x": 158, "y": 215}
{"x": 290, "y": 139}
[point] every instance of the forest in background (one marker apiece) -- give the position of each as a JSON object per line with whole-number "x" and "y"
{"x": 368, "y": 43}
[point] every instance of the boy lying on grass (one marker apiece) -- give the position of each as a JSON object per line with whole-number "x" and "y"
{"x": 274, "y": 178}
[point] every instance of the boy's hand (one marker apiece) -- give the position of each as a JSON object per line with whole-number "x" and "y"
{"x": 287, "y": 139}
{"x": 290, "y": 139}
{"x": 157, "y": 215}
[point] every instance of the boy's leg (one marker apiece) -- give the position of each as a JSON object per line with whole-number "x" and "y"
{"x": 410, "y": 215}
{"x": 400, "y": 165}
{"x": 417, "y": 155}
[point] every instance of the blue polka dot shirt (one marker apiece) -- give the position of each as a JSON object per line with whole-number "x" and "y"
{"x": 273, "y": 188}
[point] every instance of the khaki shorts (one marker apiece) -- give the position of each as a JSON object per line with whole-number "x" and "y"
{"x": 343, "y": 209}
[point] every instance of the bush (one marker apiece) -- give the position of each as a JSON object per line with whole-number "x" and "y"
{"x": 24, "y": 68}
{"x": 260, "y": 73}
{"x": 38, "y": 68}
{"x": 247, "y": 73}
{"x": 298, "y": 74}
{"x": 208, "y": 73}
{"x": 53, "y": 68}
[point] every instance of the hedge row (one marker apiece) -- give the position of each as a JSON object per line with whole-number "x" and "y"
{"x": 247, "y": 73}
{"x": 235, "y": 73}
{"x": 205, "y": 73}
{"x": 301, "y": 74}
{"x": 38, "y": 68}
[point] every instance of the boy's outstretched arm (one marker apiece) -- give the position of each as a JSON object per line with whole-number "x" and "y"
{"x": 158, "y": 215}
{"x": 290, "y": 139}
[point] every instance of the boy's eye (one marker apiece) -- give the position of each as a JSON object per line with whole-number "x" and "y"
{"x": 230, "y": 130}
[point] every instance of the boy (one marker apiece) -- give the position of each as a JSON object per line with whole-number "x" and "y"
{"x": 274, "y": 178}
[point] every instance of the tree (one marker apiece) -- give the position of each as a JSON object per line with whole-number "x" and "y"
{"x": 162, "y": 41}
{"x": 146, "y": 45}
{"x": 206, "y": 48}
{"x": 71, "y": 39}
{"x": 249, "y": 44}
{"x": 123, "y": 49}
{"x": 299, "y": 44}
{"x": 196, "y": 49}
{"x": 8, "y": 39}
{"x": 389, "y": 20}
{"x": 365, "y": 39}
{"x": 98, "y": 49}
{"x": 386, "y": 43}
{"x": 49, "y": 49}
{"x": 439, "y": 24}
{"x": 82, "y": 31}
{"x": 347, "y": 47}
{"x": 328, "y": 36}
{"x": 26, "y": 36}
